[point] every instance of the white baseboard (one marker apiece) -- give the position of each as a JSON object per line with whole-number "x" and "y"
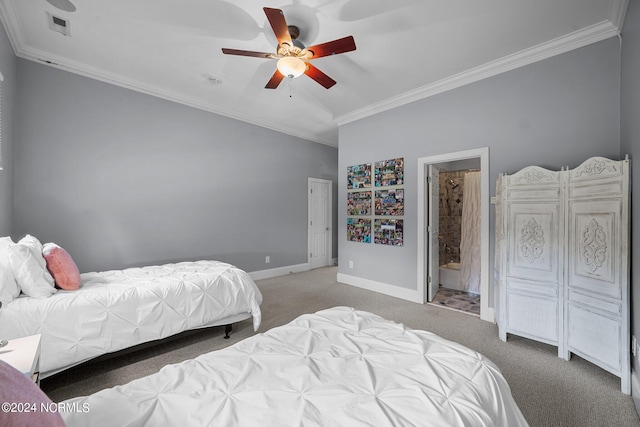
{"x": 383, "y": 288}
{"x": 488, "y": 314}
{"x": 635, "y": 390}
{"x": 279, "y": 271}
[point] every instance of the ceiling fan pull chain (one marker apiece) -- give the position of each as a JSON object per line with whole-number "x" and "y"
{"x": 290, "y": 80}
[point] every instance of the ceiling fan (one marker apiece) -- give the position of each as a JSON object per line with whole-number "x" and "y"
{"x": 293, "y": 57}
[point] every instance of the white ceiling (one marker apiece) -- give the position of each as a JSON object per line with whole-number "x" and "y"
{"x": 406, "y": 49}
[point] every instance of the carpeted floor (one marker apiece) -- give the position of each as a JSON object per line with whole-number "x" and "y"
{"x": 549, "y": 390}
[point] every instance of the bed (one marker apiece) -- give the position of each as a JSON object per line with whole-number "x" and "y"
{"x": 337, "y": 367}
{"x": 118, "y": 309}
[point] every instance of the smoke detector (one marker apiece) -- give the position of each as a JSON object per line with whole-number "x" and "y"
{"x": 65, "y": 5}
{"x": 59, "y": 25}
{"x": 212, "y": 80}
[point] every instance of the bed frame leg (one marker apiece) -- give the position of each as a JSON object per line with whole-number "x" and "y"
{"x": 227, "y": 330}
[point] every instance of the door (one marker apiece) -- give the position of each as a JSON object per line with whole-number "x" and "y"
{"x": 433, "y": 243}
{"x": 320, "y": 208}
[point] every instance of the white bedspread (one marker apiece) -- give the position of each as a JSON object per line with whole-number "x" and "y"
{"x": 117, "y": 309}
{"x": 338, "y": 367}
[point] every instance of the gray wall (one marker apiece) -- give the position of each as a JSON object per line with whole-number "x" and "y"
{"x": 8, "y": 69}
{"x": 630, "y": 144}
{"x": 120, "y": 178}
{"x": 553, "y": 113}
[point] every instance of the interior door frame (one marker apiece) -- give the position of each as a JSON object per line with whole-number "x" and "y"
{"x": 486, "y": 313}
{"x": 433, "y": 230}
{"x": 329, "y": 242}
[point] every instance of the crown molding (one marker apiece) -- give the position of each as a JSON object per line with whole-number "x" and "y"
{"x": 595, "y": 33}
{"x": 618, "y": 13}
{"x": 101, "y": 75}
{"x": 575, "y": 40}
{"x": 11, "y": 24}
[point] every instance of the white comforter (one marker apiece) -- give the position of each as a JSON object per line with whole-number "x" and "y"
{"x": 118, "y": 309}
{"x": 338, "y": 367}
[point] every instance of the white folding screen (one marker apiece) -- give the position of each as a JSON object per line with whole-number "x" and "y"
{"x": 1, "y": 162}
{"x": 563, "y": 260}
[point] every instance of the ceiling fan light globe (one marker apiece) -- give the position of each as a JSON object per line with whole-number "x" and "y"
{"x": 291, "y": 66}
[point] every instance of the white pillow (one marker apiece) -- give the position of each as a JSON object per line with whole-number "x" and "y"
{"x": 9, "y": 288}
{"x": 30, "y": 268}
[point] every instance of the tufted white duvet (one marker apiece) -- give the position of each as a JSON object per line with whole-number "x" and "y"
{"x": 338, "y": 367}
{"x": 118, "y": 309}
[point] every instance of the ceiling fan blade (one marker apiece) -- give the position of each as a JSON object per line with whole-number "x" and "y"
{"x": 319, "y": 76}
{"x": 279, "y": 25}
{"x": 345, "y": 44}
{"x": 275, "y": 80}
{"x": 246, "y": 53}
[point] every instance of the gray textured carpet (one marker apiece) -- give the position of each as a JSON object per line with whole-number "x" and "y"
{"x": 549, "y": 390}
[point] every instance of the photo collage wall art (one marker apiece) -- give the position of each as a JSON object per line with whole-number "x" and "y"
{"x": 373, "y": 213}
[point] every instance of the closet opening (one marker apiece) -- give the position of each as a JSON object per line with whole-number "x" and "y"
{"x": 453, "y": 224}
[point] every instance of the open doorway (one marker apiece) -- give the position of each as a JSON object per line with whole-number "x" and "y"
{"x": 445, "y": 245}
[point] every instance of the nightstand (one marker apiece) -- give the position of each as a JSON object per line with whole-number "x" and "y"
{"x": 24, "y": 355}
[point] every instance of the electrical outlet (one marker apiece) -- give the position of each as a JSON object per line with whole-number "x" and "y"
{"x": 634, "y": 346}
{"x": 267, "y": 259}
{"x": 350, "y": 264}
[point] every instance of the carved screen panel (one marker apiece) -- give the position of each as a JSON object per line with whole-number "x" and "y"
{"x": 597, "y": 288}
{"x": 533, "y": 316}
{"x": 530, "y": 283}
{"x": 595, "y": 337}
{"x": 532, "y": 289}
{"x": 533, "y": 241}
{"x": 594, "y": 247}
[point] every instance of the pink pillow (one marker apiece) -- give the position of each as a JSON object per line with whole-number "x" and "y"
{"x": 61, "y": 266}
